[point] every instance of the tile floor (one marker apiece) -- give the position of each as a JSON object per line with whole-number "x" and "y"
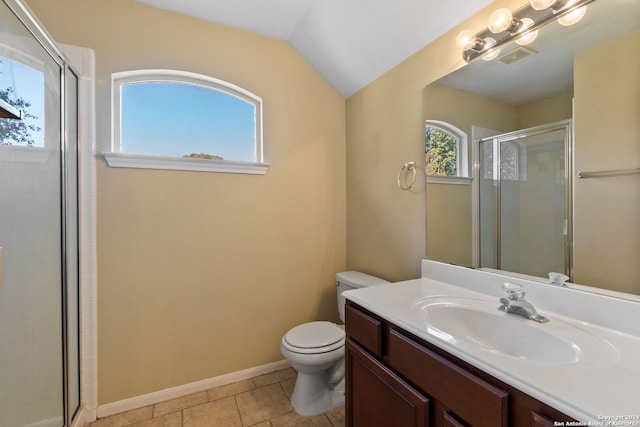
{"x": 262, "y": 401}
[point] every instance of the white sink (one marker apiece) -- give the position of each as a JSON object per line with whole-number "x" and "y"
{"x": 468, "y": 322}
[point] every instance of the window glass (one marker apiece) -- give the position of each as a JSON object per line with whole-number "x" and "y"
{"x": 23, "y": 88}
{"x": 185, "y": 115}
{"x": 445, "y": 150}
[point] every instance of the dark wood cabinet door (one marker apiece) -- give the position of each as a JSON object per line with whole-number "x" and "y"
{"x": 538, "y": 420}
{"x": 376, "y": 397}
{"x": 449, "y": 421}
{"x": 396, "y": 379}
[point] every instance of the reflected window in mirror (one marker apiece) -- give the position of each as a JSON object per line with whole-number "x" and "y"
{"x": 446, "y": 150}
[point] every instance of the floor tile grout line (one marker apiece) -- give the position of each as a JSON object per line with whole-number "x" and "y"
{"x": 284, "y": 383}
{"x": 235, "y": 400}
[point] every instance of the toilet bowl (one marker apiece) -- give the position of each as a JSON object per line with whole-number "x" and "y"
{"x": 316, "y": 351}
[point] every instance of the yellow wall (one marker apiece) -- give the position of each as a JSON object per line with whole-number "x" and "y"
{"x": 449, "y": 206}
{"x": 449, "y": 223}
{"x": 548, "y": 110}
{"x": 200, "y": 274}
{"x": 607, "y": 129}
{"x": 387, "y": 226}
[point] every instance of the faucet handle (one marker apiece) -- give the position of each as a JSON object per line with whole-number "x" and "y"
{"x": 558, "y": 278}
{"x": 514, "y": 291}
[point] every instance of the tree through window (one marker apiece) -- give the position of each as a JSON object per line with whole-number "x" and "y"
{"x": 22, "y": 87}
{"x": 445, "y": 150}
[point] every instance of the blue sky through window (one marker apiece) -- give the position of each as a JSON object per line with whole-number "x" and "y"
{"x": 28, "y": 84}
{"x": 176, "y": 119}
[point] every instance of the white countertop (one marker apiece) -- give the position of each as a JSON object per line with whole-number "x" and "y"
{"x": 587, "y": 392}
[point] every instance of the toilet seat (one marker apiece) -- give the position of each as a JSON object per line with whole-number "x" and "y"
{"x": 314, "y": 338}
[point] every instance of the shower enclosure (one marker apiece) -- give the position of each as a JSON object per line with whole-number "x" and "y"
{"x": 524, "y": 200}
{"x": 39, "y": 275}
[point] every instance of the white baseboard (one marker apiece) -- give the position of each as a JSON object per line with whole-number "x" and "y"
{"x": 90, "y": 415}
{"x": 183, "y": 390}
{"x": 81, "y": 418}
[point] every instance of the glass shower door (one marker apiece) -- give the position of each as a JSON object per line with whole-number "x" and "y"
{"x": 524, "y": 201}
{"x": 38, "y": 232}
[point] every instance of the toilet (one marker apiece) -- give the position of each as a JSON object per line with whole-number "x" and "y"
{"x": 316, "y": 351}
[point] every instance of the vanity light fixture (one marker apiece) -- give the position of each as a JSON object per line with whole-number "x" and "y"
{"x": 541, "y": 4}
{"x": 502, "y": 20}
{"x": 491, "y": 51}
{"x": 467, "y": 40}
{"x": 522, "y": 26}
{"x": 573, "y": 16}
{"x": 527, "y": 36}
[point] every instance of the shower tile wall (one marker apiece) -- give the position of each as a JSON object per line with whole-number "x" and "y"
{"x": 30, "y": 297}
{"x": 83, "y": 60}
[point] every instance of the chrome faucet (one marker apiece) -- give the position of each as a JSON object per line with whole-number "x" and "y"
{"x": 515, "y": 303}
{"x": 558, "y": 279}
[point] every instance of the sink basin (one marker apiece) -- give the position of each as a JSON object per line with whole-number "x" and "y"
{"x": 468, "y": 322}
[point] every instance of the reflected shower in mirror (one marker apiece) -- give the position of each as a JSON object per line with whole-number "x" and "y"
{"x": 584, "y": 79}
{"x": 523, "y": 200}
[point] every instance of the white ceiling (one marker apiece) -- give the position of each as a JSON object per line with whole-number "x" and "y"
{"x": 349, "y": 42}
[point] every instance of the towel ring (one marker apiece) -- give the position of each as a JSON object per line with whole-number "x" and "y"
{"x": 410, "y": 167}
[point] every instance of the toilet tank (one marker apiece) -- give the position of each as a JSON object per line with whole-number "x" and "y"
{"x": 348, "y": 280}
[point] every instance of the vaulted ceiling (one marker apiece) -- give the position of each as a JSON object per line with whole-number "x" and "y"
{"x": 349, "y": 42}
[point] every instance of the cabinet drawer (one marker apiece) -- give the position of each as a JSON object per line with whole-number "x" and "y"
{"x": 468, "y": 397}
{"x": 364, "y": 329}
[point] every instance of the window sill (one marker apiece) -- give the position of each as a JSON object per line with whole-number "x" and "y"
{"x": 143, "y": 161}
{"x": 457, "y": 180}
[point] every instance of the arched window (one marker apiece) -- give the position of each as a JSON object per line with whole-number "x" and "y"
{"x": 167, "y": 119}
{"x": 446, "y": 150}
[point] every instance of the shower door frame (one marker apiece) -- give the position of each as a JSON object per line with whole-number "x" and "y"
{"x": 37, "y": 30}
{"x": 567, "y": 126}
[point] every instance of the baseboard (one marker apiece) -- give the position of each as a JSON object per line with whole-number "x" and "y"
{"x": 80, "y": 419}
{"x": 183, "y": 390}
{"x": 90, "y": 415}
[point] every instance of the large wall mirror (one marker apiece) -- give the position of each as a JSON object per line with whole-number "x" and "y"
{"x": 553, "y": 134}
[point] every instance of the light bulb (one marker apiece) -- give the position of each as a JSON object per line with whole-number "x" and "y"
{"x": 466, "y": 39}
{"x": 572, "y": 17}
{"x": 500, "y": 20}
{"x": 527, "y": 38}
{"x": 491, "y": 53}
{"x": 541, "y": 4}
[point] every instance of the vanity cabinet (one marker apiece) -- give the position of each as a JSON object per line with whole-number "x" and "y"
{"x": 396, "y": 379}
{"x": 381, "y": 398}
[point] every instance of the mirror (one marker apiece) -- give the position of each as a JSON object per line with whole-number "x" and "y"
{"x": 586, "y": 75}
